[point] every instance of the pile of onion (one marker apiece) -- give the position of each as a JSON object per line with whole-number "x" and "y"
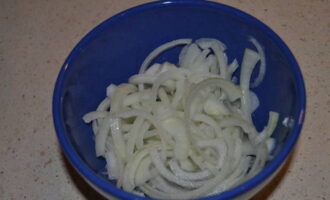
{"x": 184, "y": 131}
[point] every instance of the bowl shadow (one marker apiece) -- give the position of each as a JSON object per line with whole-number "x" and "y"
{"x": 84, "y": 188}
{"x": 268, "y": 190}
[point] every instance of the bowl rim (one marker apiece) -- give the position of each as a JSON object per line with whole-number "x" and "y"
{"x": 91, "y": 177}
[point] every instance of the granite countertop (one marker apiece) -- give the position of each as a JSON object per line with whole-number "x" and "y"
{"x": 37, "y": 35}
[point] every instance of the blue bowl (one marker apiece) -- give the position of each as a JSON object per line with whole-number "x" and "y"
{"x": 114, "y": 50}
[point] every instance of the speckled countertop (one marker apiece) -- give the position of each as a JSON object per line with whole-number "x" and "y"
{"x": 37, "y": 35}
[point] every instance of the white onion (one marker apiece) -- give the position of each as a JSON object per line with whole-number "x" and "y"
{"x": 250, "y": 60}
{"x": 184, "y": 132}
{"x": 161, "y": 49}
{"x": 262, "y": 68}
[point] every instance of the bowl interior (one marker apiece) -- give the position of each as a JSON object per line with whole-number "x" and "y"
{"x": 113, "y": 52}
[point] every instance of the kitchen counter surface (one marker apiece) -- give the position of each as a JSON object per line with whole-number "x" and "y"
{"x": 37, "y": 35}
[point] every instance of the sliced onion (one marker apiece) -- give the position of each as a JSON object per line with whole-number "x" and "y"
{"x": 94, "y": 115}
{"x": 184, "y": 133}
{"x": 191, "y": 176}
{"x": 269, "y": 129}
{"x": 169, "y": 175}
{"x": 262, "y": 67}
{"x": 250, "y": 60}
{"x": 161, "y": 49}
{"x": 101, "y": 137}
{"x": 218, "y": 49}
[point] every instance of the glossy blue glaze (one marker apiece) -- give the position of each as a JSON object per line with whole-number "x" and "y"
{"x": 114, "y": 50}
